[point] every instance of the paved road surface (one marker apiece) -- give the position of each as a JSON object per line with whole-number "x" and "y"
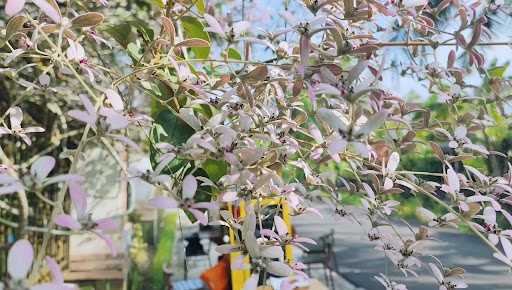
{"x": 358, "y": 260}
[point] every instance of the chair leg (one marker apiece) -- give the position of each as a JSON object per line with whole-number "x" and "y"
{"x": 332, "y": 280}
{"x": 335, "y": 263}
{"x": 326, "y": 277}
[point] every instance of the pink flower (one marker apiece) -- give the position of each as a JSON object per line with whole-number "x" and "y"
{"x": 447, "y": 280}
{"x": 116, "y": 117}
{"x": 76, "y": 53}
{"x": 460, "y": 140}
{"x": 89, "y": 116}
{"x": 83, "y": 220}
{"x": 283, "y": 236}
{"x": 16, "y": 117}
{"x": 388, "y": 170}
{"x": 108, "y": 118}
{"x": 19, "y": 263}
{"x": 93, "y": 34}
{"x": 231, "y": 33}
{"x": 42, "y": 167}
{"x": 452, "y": 185}
{"x": 433, "y": 220}
{"x": 494, "y": 233}
{"x": 186, "y": 202}
{"x": 335, "y": 144}
{"x": 373, "y": 203}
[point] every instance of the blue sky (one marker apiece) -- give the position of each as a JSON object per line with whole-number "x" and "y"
{"x": 265, "y": 15}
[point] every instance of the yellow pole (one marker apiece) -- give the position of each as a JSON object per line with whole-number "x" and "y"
{"x": 287, "y": 219}
{"x": 240, "y": 276}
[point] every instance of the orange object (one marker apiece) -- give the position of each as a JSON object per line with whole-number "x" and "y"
{"x": 217, "y": 277}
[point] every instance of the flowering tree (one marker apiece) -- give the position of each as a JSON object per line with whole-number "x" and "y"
{"x": 244, "y": 114}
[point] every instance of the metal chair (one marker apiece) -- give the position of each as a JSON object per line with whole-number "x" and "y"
{"x": 323, "y": 254}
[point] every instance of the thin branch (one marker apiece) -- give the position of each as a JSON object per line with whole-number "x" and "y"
{"x": 436, "y": 44}
{"x": 35, "y": 229}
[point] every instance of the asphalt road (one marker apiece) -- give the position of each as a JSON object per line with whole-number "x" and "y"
{"x": 358, "y": 261}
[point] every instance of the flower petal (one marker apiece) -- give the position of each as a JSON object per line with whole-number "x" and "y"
{"x": 19, "y": 259}
{"x": 13, "y": 7}
{"x": 163, "y": 202}
{"x": 106, "y": 224}
{"x": 489, "y": 215}
{"x": 78, "y": 197}
{"x": 252, "y": 282}
{"x": 279, "y": 269}
{"x": 115, "y": 99}
{"x": 205, "y": 205}
{"x": 437, "y": 273}
{"x": 65, "y": 220}
{"x": 393, "y": 161}
{"x": 42, "y": 167}
{"x": 213, "y": 25}
{"x": 84, "y": 117}
{"x": 460, "y": 132}
{"x": 15, "y": 116}
{"x": 114, "y": 119}
{"x": 507, "y": 246}
{"x": 453, "y": 180}
{"x": 335, "y": 147}
{"x": 189, "y": 186}
{"x": 229, "y": 196}
{"x": 54, "y": 270}
{"x": 272, "y": 252}
{"x": 200, "y": 216}
{"x": 48, "y": 9}
{"x": 269, "y": 233}
{"x": 281, "y": 227}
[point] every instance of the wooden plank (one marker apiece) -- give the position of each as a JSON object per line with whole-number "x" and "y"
{"x": 95, "y": 257}
{"x": 93, "y": 275}
{"x": 92, "y": 265}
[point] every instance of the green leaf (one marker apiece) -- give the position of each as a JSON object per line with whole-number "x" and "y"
{"x": 159, "y": 3}
{"x": 134, "y": 51}
{"x": 177, "y": 131}
{"x": 215, "y": 169}
{"x": 158, "y": 134}
{"x": 498, "y": 71}
{"x": 122, "y": 33}
{"x": 193, "y": 28}
{"x": 233, "y": 54}
{"x": 144, "y": 29}
{"x": 201, "y": 8}
{"x": 171, "y": 129}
